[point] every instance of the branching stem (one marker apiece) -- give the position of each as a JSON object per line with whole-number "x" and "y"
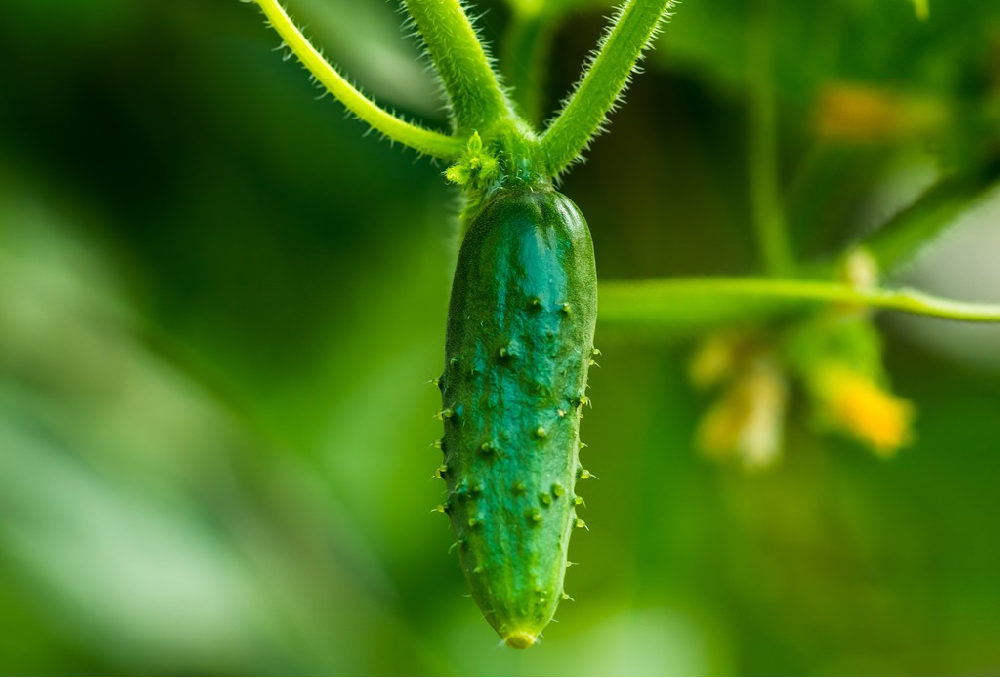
{"x": 585, "y": 111}
{"x": 477, "y": 100}
{"x": 422, "y": 140}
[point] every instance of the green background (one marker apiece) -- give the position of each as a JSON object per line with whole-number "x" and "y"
{"x": 219, "y": 303}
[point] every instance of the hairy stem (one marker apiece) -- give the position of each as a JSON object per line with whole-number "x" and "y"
{"x": 477, "y": 99}
{"x": 423, "y": 140}
{"x": 763, "y": 173}
{"x": 584, "y": 112}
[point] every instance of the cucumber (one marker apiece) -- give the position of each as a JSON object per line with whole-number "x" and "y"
{"x": 519, "y": 343}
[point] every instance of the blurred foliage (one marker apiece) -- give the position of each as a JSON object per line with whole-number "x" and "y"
{"x": 219, "y": 303}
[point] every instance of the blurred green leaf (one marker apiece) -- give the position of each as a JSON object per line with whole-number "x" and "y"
{"x": 902, "y": 239}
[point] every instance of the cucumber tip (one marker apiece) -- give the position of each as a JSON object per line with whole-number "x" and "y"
{"x": 520, "y": 640}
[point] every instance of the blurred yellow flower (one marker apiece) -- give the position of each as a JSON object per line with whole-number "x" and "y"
{"x": 855, "y": 404}
{"x": 714, "y": 361}
{"x": 860, "y": 113}
{"x": 748, "y": 420}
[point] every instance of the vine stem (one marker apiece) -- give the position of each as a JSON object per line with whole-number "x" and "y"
{"x": 583, "y": 114}
{"x": 526, "y": 50}
{"x": 696, "y": 304}
{"x": 422, "y": 140}
{"x": 476, "y": 97}
{"x": 765, "y": 198}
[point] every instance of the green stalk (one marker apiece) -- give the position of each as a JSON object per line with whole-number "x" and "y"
{"x": 477, "y": 99}
{"x": 691, "y": 306}
{"x": 765, "y": 196}
{"x": 526, "y": 51}
{"x": 422, "y": 140}
{"x": 583, "y": 115}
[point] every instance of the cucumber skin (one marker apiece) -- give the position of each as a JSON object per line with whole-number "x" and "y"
{"x": 519, "y": 343}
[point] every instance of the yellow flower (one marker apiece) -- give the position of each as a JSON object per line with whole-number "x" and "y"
{"x": 748, "y": 420}
{"x": 721, "y": 355}
{"x": 714, "y": 360}
{"x": 870, "y": 114}
{"x": 855, "y": 404}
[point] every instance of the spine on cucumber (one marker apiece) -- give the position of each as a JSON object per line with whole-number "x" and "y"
{"x": 519, "y": 343}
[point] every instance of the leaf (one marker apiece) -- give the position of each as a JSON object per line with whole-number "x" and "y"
{"x": 901, "y": 240}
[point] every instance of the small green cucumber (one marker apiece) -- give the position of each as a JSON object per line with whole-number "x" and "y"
{"x": 519, "y": 343}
